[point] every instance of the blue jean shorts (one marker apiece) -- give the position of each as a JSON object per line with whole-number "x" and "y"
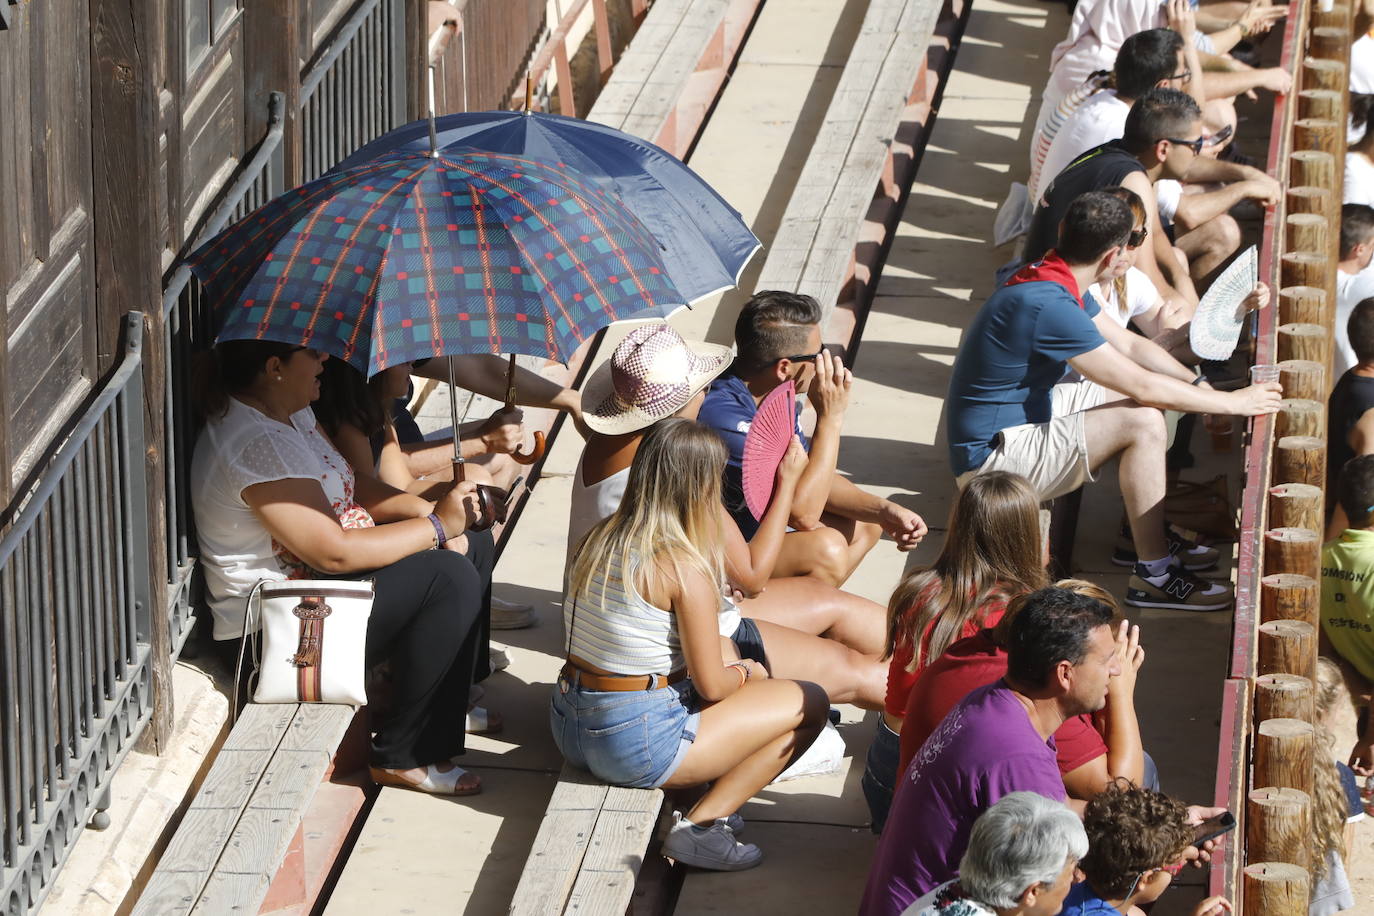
{"x": 631, "y": 738}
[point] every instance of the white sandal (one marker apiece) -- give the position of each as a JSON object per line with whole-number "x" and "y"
{"x": 434, "y": 783}
{"x": 481, "y": 721}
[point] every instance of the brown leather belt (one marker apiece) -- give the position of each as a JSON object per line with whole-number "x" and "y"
{"x": 619, "y": 682}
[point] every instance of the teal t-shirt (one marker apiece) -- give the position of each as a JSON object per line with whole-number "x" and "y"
{"x": 1348, "y": 597}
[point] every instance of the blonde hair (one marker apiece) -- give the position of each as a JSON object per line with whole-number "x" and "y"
{"x": 670, "y": 513}
{"x": 992, "y": 547}
{"x": 1137, "y": 206}
{"x": 1329, "y": 804}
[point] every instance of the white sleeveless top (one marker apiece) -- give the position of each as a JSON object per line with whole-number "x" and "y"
{"x": 588, "y": 505}
{"x": 611, "y": 626}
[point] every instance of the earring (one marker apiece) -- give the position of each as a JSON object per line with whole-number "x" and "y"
{"x": 279, "y": 378}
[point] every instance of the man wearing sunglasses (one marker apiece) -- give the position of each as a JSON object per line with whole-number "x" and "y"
{"x": 834, "y": 523}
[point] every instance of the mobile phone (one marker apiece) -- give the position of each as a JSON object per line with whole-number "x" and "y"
{"x": 1213, "y": 827}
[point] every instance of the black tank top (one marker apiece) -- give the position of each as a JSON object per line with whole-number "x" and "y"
{"x": 1352, "y": 396}
{"x": 1101, "y": 167}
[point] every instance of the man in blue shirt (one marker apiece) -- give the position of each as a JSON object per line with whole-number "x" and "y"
{"x": 1007, "y": 409}
{"x": 778, "y": 339}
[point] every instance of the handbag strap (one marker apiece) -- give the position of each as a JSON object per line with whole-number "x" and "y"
{"x": 243, "y": 644}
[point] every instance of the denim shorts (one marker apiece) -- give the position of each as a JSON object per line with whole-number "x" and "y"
{"x": 749, "y": 641}
{"x": 630, "y": 738}
{"x": 880, "y": 773}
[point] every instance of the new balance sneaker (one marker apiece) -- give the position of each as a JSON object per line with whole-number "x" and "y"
{"x": 508, "y": 615}
{"x": 713, "y": 847}
{"x": 1194, "y": 557}
{"x": 1179, "y": 589}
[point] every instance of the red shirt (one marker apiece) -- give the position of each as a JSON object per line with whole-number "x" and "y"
{"x": 900, "y": 680}
{"x": 969, "y": 664}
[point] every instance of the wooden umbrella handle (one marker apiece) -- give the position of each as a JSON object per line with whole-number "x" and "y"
{"x": 521, "y": 456}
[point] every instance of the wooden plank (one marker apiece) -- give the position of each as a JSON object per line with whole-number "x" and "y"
{"x": 556, "y": 855}
{"x": 606, "y": 881}
{"x": 232, "y": 893}
{"x": 318, "y": 726}
{"x": 232, "y": 779}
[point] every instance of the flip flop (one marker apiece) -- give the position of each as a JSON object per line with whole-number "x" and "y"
{"x": 482, "y": 721}
{"x": 434, "y": 783}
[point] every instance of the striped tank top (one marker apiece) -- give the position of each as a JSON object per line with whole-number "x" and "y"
{"x": 619, "y": 631}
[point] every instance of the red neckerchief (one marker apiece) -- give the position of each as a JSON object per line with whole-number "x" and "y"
{"x": 1049, "y": 269}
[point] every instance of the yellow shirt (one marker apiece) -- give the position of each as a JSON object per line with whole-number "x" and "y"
{"x": 1348, "y": 597}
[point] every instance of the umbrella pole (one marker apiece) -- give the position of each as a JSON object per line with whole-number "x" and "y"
{"x": 458, "y": 474}
{"x": 529, "y": 92}
{"x": 433, "y": 133}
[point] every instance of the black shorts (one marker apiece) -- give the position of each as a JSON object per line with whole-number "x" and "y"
{"x": 749, "y": 642}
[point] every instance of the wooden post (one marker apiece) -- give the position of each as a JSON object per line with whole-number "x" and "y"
{"x": 1292, "y": 550}
{"x": 1299, "y": 340}
{"x": 1329, "y": 42}
{"x": 1309, "y": 268}
{"x": 1338, "y": 16}
{"x": 1309, "y": 200}
{"x": 1283, "y": 696}
{"x": 1284, "y": 753}
{"x": 605, "y": 56}
{"x": 1303, "y": 378}
{"x": 1275, "y": 889}
{"x": 1296, "y": 505}
{"x": 1324, "y": 74}
{"x": 1303, "y": 305}
{"x": 1320, "y": 103}
{"x": 1290, "y": 596}
{"x": 128, "y": 274}
{"x": 1278, "y": 826}
{"x": 1300, "y": 417}
{"x": 1300, "y": 459}
{"x": 1317, "y": 134}
{"x": 1306, "y": 231}
{"x": 272, "y": 64}
{"x": 1287, "y": 647}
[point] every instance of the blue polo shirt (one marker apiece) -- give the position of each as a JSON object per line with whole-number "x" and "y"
{"x": 729, "y": 409}
{"x": 1012, "y": 355}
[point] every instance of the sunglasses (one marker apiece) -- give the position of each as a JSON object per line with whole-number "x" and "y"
{"x": 802, "y": 357}
{"x": 1221, "y": 136}
{"x": 1185, "y": 75}
{"x": 1137, "y": 237}
{"x": 1194, "y": 145}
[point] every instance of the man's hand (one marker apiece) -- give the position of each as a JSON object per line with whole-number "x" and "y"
{"x": 1130, "y": 655}
{"x": 1265, "y": 190}
{"x": 1258, "y": 399}
{"x": 503, "y": 432}
{"x": 1259, "y": 17}
{"x": 1194, "y": 855}
{"x": 1276, "y": 80}
{"x": 829, "y": 391}
{"x": 906, "y": 527}
{"x": 1362, "y": 755}
{"x": 1212, "y": 906}
{"x": 1182, "y": 20}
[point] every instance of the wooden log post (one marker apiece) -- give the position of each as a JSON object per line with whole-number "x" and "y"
{"x": 1303, "y": 378}
{"x": 1296, "y": 505}
{"x": 1292, "y": 550}
{"x": 1278, "y": 826}
{"x": 1318, "y": 134}
{"x": 1324, "y": 74}
{"x": 1287, "y": 647}
{"x": 1300, "y": 417}
{"x": 1336, "y": 17}
{"x": 1301, "y": 340}
{"x": 1290, "y": 596}
{"x": 1310, "y": 268}
{"x": 1306, "y": 231}
{"x": 1275, "y": 889}
{"x": 1300, "y": 459}
{"x": 1308, "y": 199}
{"x": 1284, "y": 753}
{"x": 1329, "y": 42}
{"x": 1284, "y": 696}
{"x": 1304, "y": 305}
{"x": 1320, "y": 103}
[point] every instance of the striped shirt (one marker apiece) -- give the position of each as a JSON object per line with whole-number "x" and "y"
{"x": 610, "y": 626}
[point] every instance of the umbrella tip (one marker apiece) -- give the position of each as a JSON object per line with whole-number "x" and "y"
{"x": 529, "y": 91}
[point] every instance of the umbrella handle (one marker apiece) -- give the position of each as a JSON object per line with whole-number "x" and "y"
{"x": 530, "y": 457}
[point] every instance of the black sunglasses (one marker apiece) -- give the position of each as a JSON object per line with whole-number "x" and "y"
{"x": 802, "y": 357}
{"x": 1194, "y": 145}
{"x": 1185, "y": 75}
{"x": 1137, "y": 237}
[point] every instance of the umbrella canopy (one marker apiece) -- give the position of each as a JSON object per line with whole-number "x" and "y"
{"x": 412, "y": 255}
{"x": 705, "y": 241}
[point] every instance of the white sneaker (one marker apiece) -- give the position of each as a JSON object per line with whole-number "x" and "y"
{"x": 507, "y": 615}
{"x": 498, "y": 659}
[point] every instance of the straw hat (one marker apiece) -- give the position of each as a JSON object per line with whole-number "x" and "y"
{"x": 652, "y": 374}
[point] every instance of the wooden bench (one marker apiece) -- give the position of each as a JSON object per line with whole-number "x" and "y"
{"x": 668, "y": 77}
{"x": 249, "y": 841}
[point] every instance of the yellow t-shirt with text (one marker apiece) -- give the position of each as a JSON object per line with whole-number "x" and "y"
{"x": 1347, "y": 611}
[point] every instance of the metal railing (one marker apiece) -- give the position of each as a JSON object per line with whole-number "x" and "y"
{"x": 189, "y": 330}
{"x": 74, "y": 630}
{"x": 356, "y": 91}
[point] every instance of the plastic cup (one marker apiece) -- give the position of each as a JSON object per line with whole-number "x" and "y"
{"x": 1263, "y": 373}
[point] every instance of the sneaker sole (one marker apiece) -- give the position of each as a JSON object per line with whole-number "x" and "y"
{"x": 1118, "y": 561}
{"x": 1164, "y": 604}
{"x": 712, "y": 865}
{"x": 520, "y": 623}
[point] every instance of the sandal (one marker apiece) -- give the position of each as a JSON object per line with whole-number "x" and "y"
{"x": 483, "y": 721}
{"x": 434, "y": 783}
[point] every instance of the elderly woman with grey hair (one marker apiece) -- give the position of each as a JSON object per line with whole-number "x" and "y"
{"x": 1021, "y": 858}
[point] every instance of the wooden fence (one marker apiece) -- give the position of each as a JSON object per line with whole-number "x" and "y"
{"x": 1266, "y": 759}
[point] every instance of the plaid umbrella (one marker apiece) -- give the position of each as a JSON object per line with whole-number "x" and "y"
{"x": 412, "y": 255}
{"x": 705, "y": 241}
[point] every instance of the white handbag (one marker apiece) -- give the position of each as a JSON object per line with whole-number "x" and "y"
{"x": 313, "y": 636}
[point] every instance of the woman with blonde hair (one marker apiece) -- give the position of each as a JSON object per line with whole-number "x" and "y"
{"x": 1335, "y": 800}
{"x": 646, "y": 698}
{"x": 992, "y": 552}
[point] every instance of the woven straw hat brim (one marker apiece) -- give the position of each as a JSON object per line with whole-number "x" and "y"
{"x": 605, "y": 413}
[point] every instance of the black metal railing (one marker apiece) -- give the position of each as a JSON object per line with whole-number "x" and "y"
{"x": 74, "y": 631}
{"x": 356, "y": 90}
{"x": 189, "y": 330}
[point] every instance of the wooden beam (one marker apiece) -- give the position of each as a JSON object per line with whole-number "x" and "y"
{"x": 128, "y": 271}
{"x": 270, "y": 40}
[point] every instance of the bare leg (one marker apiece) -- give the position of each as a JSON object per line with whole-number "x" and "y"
{"x": 1207, "y": 246}
{"x": 747, "y": 739}
{"x": 1138, "y": 434}
{"x": 830, "y": 553}
{"x": 817, "y": 609}
{"x": 846, "y": 675}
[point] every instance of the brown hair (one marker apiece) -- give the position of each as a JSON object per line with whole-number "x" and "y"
{"x": 1077, "y": 586}
{"x": 1130, "y": 831}
{"x": 346, "y": 397}
{"x": 231, "y": 368}
{"x": 1133, "y": 201}
{"x": 1329, "y": 804}
{"x": 992, "y": 548}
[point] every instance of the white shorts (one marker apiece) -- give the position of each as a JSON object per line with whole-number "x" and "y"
{"x": 1053, "y": 456}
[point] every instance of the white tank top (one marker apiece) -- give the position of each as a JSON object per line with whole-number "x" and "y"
{"x": 611, "y": 626}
